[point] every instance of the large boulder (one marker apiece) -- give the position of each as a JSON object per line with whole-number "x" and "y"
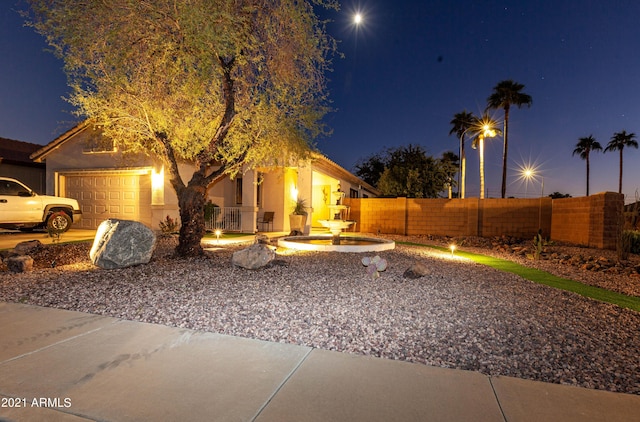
{"x": 26, "y": 247}
{"x": 122, "y": 243}
{"x": 19, "y": 263}
{"x": 255, "y": 256}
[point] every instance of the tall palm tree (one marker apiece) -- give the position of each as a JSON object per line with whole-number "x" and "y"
{"x": 505, "y": 94}
{"x": 460, "y": 125}
{"x": 482, "y": 128}
{"x": 584, "y": 147}
{"x": 448, "y": 165}
{"x": 618, "y": 142}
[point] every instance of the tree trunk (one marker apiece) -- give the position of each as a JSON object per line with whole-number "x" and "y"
{"x": 191, "y": 201}
{"x": 463, "y": 165}
{"x": 587, "y": 175}
{"x": 505, "y": 149}
{"x": 481, "y": 154}
{"x": 620, "y": 181}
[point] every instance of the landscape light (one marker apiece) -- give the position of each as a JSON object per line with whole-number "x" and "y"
{"x": 218, "y": 232}
{"x": 453, "y": 248}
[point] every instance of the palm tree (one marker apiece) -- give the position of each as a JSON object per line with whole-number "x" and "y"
{"x": 584, "y": 147}
{"x": 448, "y": 165}
{"x": 618, "y": 142}
{"x": 460, "y": 124}
{"x": 483, "y": 127}
{"x": 505, "y": 94}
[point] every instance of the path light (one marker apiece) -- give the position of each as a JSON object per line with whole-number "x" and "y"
{"x": 453, "y": 249}
{"x": 218, "y": 232}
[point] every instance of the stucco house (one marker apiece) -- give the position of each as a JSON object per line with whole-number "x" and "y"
{"x": 15, "y": 162}
{"x": 81, "y": 164}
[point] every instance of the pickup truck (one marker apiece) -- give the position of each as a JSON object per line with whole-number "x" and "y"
{"x": 23, "y": 209}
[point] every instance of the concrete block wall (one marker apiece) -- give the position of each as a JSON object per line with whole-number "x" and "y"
{"x": 443, "y": 217}
{"x": 515, "y": 217}
{"x": 571, "y": 220}
{"x": 379, "y": 215}
{"x": 590, "y": 221}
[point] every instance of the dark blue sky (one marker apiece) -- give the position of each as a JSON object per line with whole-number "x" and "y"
{"x": 412, "y": 65}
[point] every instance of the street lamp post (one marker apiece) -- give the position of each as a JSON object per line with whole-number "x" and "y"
{"x": 529, "y": 174}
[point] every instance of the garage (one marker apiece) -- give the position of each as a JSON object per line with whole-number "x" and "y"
{"x": 122, "y": 194}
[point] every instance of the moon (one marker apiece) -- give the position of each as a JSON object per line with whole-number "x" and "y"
{"x": 357, "y": 19}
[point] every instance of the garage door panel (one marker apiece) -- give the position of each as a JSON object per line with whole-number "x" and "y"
{"x": 111, "y": 195}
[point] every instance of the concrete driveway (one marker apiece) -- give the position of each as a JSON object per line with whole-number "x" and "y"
{"x": 10, "y": 238}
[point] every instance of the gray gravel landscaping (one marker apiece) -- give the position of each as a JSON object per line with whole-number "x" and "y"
{"x": 462, "y": 315}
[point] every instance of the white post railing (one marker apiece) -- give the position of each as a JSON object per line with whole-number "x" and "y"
{"x": 227, "y": 219}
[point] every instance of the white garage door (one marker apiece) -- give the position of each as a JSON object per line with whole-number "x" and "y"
{"x": 120, "y": 194}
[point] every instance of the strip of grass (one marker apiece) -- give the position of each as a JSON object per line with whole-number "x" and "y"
{"x": 543, "y": 277}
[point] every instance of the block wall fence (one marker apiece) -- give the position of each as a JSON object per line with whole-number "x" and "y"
{"x": 589, "y": 221}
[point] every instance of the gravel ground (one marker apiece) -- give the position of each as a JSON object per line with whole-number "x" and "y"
{"x": 462, "y": 315}
{"x": 629, "y": 285}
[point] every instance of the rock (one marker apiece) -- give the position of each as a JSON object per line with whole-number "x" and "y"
{"x": 417, "y": 270}
{"x": 25, "y": 248}
{"x": 6, "y": 253}
{"x": 20, "y": 263}
{"x": 263, "y": 239}
{"x": 255, "y": 256}
{"x": 122, "y": 243}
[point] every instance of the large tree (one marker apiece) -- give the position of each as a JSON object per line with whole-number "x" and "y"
{"x": 408, "y": 171}
{"x": 220, "y": 84}
{"x": 371, "y": 168}
{"x": 482, "y": 128}
{"x": 461, "y": 124}
{"x": 584, "y": 147}
{"x": 505, "y": 94}
{"x": 619, "y": 142}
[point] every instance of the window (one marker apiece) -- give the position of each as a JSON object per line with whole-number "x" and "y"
{"x": 9, "y": 188}
{"x": 259, "y": 189}
{"x": 98, "y": 144}
{"x": 353, "y": 193}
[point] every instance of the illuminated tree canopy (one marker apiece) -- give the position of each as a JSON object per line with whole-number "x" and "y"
{"x": 224, "y": 82}
{"x": 408, "y": 171}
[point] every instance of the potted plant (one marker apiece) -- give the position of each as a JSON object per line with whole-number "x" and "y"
{"x": 298, "y": 216}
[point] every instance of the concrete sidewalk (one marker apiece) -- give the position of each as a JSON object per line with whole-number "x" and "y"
{"x": 70, "y": 366}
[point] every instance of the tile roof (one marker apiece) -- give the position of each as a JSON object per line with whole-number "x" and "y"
{"x": 17, "y": 152}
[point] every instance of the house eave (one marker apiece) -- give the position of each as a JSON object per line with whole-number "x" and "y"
{"x": 40, "y": 155}
{"x": 322, "y": 162}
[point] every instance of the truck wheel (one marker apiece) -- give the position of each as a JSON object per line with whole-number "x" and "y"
{"x": 59, "y": 221}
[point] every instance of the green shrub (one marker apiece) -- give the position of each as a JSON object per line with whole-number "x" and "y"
{"x": 209, "y": 208}
{"x": 169, "y": 225}
{"x": 633, "y": 239}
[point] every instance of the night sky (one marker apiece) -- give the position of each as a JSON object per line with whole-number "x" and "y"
{"x": 411, "y": 65}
